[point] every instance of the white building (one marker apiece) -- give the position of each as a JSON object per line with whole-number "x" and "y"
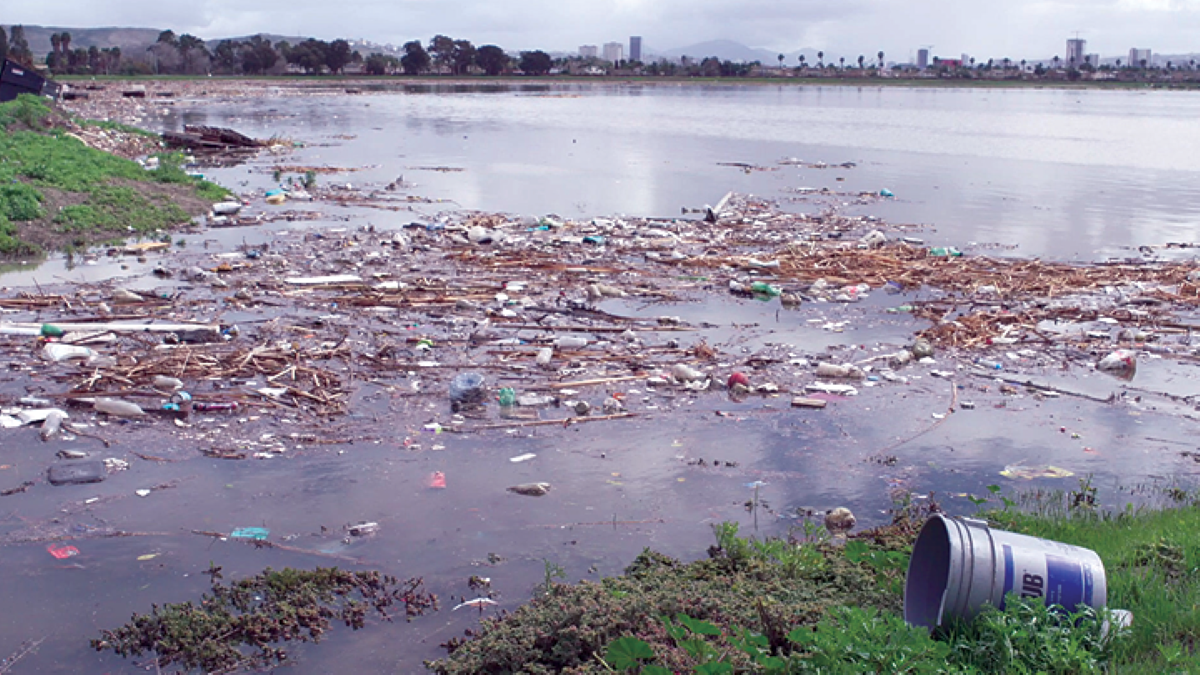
{"x": 1136, "y": 56}
{"x": 589, "y": 51}
{"x": 613, "y": 51}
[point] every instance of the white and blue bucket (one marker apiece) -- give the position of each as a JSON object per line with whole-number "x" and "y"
{"x": 960, "y": 565}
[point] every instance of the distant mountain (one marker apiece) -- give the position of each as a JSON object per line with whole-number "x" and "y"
{"x": 125, "y": 38}
{"x": 128, "y": 39}
{"x": 728, "y": 50}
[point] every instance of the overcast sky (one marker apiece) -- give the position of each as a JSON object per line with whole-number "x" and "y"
{"x": 992, "y": 28}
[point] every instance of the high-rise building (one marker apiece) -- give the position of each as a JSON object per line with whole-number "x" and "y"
{"x": 614, "y": 52}
{"x": 635, "y": 48}
{"x": 922, "y": 58}
{"x": 1092, "y": 60}
{"x": 1075, "y": 49}
{"x": 589, "y": 51}
{"x": 1136, "y": 56}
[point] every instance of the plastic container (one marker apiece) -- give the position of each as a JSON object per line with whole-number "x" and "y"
{"x": 467, "y": 388}
{"x": 570, "y": 342}
{"x": 50, "y": 330}
{"x": 763, "y": 288}
{"x": 945, "y": 252}
{"x": 52, "y": 424}
{"x": 960, "y": 565}
{"x": 990, "y": 365}
{"x": 508, "y": 397}
{"x": 118, "y": 408}
{"x": 201, "y": 406}
{"x": 57, "y": 351}
{"x": 834, "y": 370}
{"x": 544, "y": 356}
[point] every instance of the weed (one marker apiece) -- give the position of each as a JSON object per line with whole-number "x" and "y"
{"x": 310, "y": 179}
{"x": 238, "y": 626}
{"x": 551, "y": 572}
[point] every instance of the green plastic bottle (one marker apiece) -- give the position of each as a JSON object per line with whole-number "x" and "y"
{"x": 765, "y": 288}
{"x": 945, "y": 252}
{"x": 507, "y": 396}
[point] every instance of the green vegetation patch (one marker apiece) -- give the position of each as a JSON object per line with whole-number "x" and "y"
{"x": 106, "y": 194}
{"x": 809, "y": 606}
{"x": 110, "y": 208}
{"x": 242, "y": 625}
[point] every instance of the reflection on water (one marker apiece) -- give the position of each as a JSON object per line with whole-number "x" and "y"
{"x": 1071, "y": 174}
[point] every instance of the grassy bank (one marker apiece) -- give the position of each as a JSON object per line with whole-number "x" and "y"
{"x": 56, "y": 192}
{"x": 805, "y": 605}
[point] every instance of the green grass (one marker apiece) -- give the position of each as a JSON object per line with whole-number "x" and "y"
{"x": 35, "y": 156}
{"x": 1152, "y": 559}
{"x": 805, "y": 606}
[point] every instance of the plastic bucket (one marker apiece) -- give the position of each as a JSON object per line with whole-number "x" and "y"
{"x": 960, "y": 565}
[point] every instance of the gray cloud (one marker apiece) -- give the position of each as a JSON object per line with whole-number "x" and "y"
{"x": 1018, "y": 28}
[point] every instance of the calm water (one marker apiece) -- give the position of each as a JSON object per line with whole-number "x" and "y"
{"x": 1069, "y": 174}
{"x": 1074, "y": 174}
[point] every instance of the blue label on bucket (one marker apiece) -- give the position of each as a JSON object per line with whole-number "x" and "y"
{"x": 1066, "y": 584}
{"x": 1008, "y": 573}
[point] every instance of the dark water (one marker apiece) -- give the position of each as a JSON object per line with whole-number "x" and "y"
{"x": 1064, "y": 174}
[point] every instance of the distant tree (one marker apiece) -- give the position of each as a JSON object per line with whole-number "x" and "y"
{"x": 415, "y": 60}
{"x": 167, "y": 37}
{"x": 463, "y": 56}
{"x": 801, "y": 61}
{"x": 820, "y": 59}
{"x": 780, "y": 57}
{"x": 258, "y": 55}
{"x": 188, "y": 46}
{"x": 1143, "y": 62}
{"x": 861, "y": 59}
{"x": 492, "y": 59}
{"x": 52, "y": 59}
{"x": 1118, "y": 64}
{"x": 18, "y": 47}
{"x": 337, "y": 55}
{"x": 225, "y": 56}
{"x": 381, "y": 64}
{"x": 93, "y": 59}
{"x": 441, "y": 48}
{"x": 311, "y": 55}
{"x": 880, "y": 55}
{"x": 1055, "y": 59}
{"x": 1022, "y": 65}
{"x": 65, "y": 37}
{"x": 842, "y": 59}
{"x": 536, "y": 62}
{"x": 284, "y": 48}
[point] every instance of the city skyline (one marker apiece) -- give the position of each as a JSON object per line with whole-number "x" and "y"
{"x": 1022, "y": 29}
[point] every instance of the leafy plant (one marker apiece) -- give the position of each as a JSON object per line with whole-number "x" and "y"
{"x": 1031, "y": 637}
{"x": 866, "y": 640}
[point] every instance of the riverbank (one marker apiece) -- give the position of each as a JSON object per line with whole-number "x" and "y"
{"x": 806, "y": 604}
{"x": 62, "y": 193}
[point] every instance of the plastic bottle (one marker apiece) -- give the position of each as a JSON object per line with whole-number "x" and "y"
{"x": 765, "y": 288}
{"x": 57, "y": 351}
{"x": 118, "y": 408}
{"x": 52, "y": 424}
{"x": 834, "y": 370}
{"x": 201, "y": 406}
{"x": 167, "y": 383}
{"x": 507, "y": 396}
{"x": 467, "y": 388}
{"x": 50, "y": 330}
{"x": 570, "y": 342}
{"x": 990, "y": 365}
{"x": 544, "y": 355}
{"x": 945, "y": 252}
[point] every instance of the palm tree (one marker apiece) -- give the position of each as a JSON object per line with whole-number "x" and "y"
{"x": 801, "y": 61}
{"x": 1022, "y": 65}
{"x": 55, "y": 44}
{"x": 880, "y": 55}
{"x": 843, "y": 60}
{"x": 65, "y": 38}
{"x": 1056, "y": 60}
{"x": 781, "y": 61}
{"x": 860, "y": 61}
{"x": 820, "y": 59}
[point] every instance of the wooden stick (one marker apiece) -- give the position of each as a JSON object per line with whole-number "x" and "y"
{"x": 563, "y": 422}
{"x": 604, "y": 380}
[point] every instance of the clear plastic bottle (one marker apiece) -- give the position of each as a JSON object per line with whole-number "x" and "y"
{"x": 118, "y": 408}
